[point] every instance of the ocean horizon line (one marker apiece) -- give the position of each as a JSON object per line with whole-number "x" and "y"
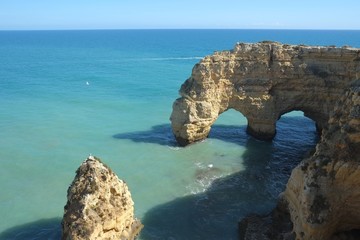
{"x": 68, "y": 93}
{"x": 177, "y": 29}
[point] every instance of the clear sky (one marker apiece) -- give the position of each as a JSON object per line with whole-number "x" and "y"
{"x": 150, "y": 14}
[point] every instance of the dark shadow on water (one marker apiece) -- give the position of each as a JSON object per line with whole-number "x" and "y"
{"x": 39, "y": 230}
{"x": 162, "y": 134}
{"x": 159, "y": 134}
{"x": 214, "y": 213}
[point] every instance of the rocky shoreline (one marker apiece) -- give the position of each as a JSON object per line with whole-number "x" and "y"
{"x": 323, "y": 191}
{"x": 262, "y": 81}
{"x": 321, "y": 199}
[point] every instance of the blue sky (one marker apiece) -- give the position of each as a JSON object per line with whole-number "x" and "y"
{"x": 142, "y": 14}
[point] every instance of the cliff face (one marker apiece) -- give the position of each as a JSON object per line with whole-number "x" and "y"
{"x": 263, "y": 81}
{"x": 323, "y": 191}
{"x": 99, "y": 205}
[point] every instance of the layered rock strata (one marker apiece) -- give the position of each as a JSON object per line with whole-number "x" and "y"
{"x": 323, "y": 192}
{"x": 263, "y": 81}
{"x": 99, "y": 205}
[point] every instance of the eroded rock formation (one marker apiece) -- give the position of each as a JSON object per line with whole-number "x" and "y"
{"x": 99, "y": 205}
{"x": 263, "y": 81}
{"x": 322, "y": 197}
{"x": 323, "y": 191}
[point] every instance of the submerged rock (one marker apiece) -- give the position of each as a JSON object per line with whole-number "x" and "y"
{"x": 99, "y": 205}
{"x": 263, "y": 81}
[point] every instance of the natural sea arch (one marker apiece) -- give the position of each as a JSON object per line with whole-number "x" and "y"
{"x": 293, "y": 124}
{"x": 263, "y": 81}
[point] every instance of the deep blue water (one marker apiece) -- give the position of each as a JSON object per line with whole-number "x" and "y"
{"x": 66, "y": 94}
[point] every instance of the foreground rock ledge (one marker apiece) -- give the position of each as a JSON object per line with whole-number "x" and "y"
{"x": 263, "y": 81}
{"x": 99, "y": 205}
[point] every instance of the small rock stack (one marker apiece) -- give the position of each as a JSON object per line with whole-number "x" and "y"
{"x": 99, "y": 205}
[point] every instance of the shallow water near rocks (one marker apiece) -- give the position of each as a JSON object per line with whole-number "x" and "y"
{"x": 67, "y": 94}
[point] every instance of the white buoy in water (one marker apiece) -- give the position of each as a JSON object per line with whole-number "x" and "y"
{"x": 87, "y": 83}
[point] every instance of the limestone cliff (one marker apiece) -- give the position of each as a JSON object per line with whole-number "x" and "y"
{"x": 322, "y": 197}
{"x": 99, "y": 205}
{"x": 323, "y": 191}
{"x": 263, "y": 81}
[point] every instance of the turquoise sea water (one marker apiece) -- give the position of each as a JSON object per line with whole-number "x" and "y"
{"x": 66, "y": 94}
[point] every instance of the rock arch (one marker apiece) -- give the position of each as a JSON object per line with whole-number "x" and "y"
{"x": 263, "y": 81}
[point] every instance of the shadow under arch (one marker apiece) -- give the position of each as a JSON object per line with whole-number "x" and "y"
{"x": 159, "y": 134}
{"x": 236, "y": 132}
{"x": 215, "y": 213}
{"x": 162, "y": 134}
{"x": 41, "y": 229}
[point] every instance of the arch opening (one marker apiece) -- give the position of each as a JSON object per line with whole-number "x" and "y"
{"x": 229, "y": 126}
{"x": 295, "y": 125}
{"x": 296, "y": 114}
{"x": 232, "y": 124}
{"x": 317, "y": 118}
{"x": 231, "y": 116}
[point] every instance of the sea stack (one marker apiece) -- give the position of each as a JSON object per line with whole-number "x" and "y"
{"x": 263, "y": 81}
{"x": 99, "y": 205}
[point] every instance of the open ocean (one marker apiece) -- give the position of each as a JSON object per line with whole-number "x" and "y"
{"x": 109, "y": 93}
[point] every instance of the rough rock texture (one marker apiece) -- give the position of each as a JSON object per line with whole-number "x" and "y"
{"x": 274, "y": 226}
{"x": 99, "y": 205}
{"x": 322, "y": 197}
{"x": 323, "y": 192}
{"x": 263, "y": 81}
